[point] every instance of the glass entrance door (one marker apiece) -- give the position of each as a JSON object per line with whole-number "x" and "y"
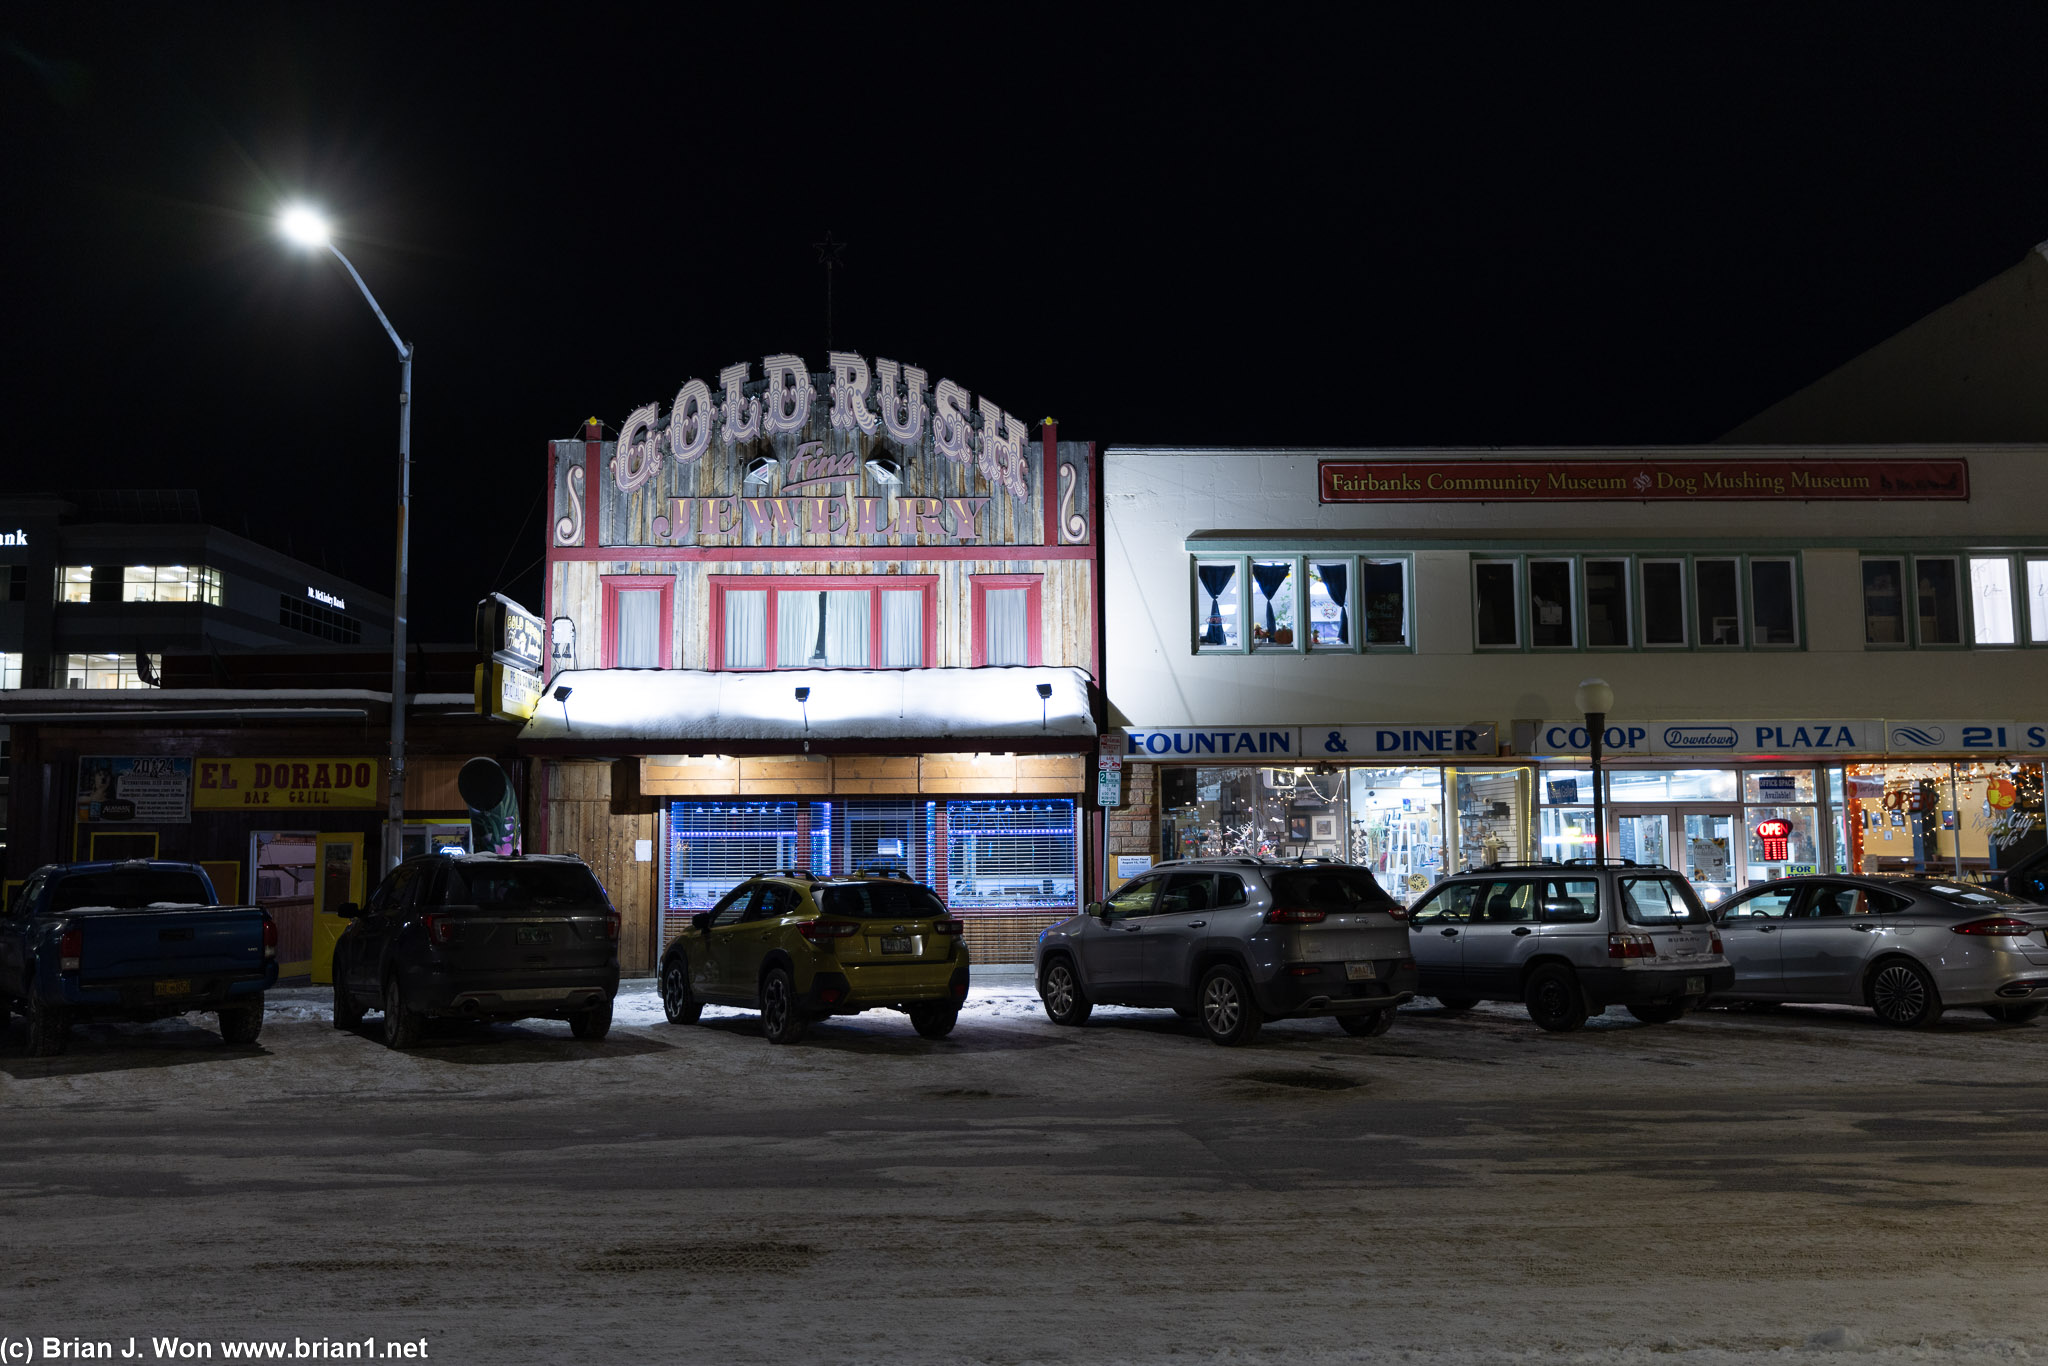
{"x": 1699, "y": 842}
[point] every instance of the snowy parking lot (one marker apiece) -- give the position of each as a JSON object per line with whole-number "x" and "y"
{"x": 1738, "y": 1186}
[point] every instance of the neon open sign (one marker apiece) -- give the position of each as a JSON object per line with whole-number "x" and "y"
{"x": 1775, "y": 834}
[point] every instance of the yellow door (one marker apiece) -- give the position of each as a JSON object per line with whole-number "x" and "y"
{"x": 339, "y": 860}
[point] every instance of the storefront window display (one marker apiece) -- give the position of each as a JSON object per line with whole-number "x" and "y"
{"x": 1391, "y": 820}
{"x": 1784, "y": 841}
{"x": 1961, "y": 819}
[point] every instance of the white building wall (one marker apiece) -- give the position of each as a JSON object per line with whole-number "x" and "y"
{"x": 1156, "y": 498}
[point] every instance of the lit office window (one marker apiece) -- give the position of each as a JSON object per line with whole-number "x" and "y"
{"x": 10, "y": 671}
{"x": 110, "y": 671}
{"x": 170, "y": 583}
{"x": 74, "y": 583}
{"x": 1273, "y": 605}
{"x": 2037, "y": 601}
{"x": 1991, "y": 601}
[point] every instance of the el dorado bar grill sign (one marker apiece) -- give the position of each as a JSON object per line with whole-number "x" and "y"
{"x": 1646, "y": 479}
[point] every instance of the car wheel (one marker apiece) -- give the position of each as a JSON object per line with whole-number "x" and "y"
{"x": 1229, "y": 1014}
{"x": 781, "y": 1020}
{"x": 1367, "y": 1025}
{"x": 347, "y": 1014}
{"x": 49, "y": 1032}
{"x": 2017, "y": 1014}
{"x": 934, "y": 1019}
{"x": 402, "y": 1027}
{"x": 1454, "y": 1004}
{"x": 1065, "y": 1002}
{"x": 241, "y": 1024}
{"x": 1903, "y": 995}
{"x": 1658, "y": 1012}
{"x": 593, "y": 1023}
{"x": 1554, "y": 999}
{"x": 676, "y": 1001}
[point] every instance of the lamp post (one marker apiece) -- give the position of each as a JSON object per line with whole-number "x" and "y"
{"x": 1595, "y": 700}
{"x": 309, "y": 230}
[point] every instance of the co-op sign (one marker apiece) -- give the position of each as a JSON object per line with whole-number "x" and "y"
{"x": 1443, "y": 739}
{"x": 1796, "y": 737}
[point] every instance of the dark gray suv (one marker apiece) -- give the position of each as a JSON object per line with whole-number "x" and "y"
{"x": 1233, "y": 942}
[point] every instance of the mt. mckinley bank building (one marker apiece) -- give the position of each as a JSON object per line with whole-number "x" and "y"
{"x": 833, "y": 621}
{"x": 1822, "y": 659}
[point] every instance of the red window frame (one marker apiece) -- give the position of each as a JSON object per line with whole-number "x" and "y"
{"x": 1034, "y": 583}
{"x": 607, "y": 628}
{"x": 874, "y": 585}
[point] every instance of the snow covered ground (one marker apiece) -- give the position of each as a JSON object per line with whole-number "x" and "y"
{"x": 1739, "y": 1187}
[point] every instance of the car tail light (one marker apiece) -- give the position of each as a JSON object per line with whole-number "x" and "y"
{"x": 269, "y": 938}
{"x": 611, "y": 926}
{"x": 960, "y": 989}
{"x": 440, "y": 928}
{"x": 829, "y": 995}
{"x": 1397, "y": 911}
{"x": 1714, "y": 945}
{"x": 823, "y": 932}
{"x": 1305, "y": 970}
{"x": 1293, "y": 915}
{"x": 70, "y": 948}
{"x": 949, "y": 926}
{"x": 1631, "y": 946}
{"x": 1997, "y": 924}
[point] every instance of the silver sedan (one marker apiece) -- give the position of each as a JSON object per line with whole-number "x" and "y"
{"x": 1907, "y": 947}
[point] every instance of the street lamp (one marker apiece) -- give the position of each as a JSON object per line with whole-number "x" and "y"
{"x": 309, "y": 230}
{"x": 1595, "y": 700}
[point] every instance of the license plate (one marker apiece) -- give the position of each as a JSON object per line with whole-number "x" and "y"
{"x": 177, "y": 986}
{"x": 896, "y": 943}
{"x": 535, "y": 934}
{"x": 1359, "y": 972}
{"x": 1695, "y": 986}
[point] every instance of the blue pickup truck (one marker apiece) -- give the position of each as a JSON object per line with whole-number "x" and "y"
{"x": 138, "y": 940}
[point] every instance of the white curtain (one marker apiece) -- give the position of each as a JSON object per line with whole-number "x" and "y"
{"x": 746, "y": 629}
{"x": 847, "y": 627}
{"x": 902, "y": 630}
{"x": 796, "y": 629}
{"x": 1004, "y": 622}
{"x": 639, "y": 638}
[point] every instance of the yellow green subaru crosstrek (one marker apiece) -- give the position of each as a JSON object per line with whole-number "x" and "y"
{"x": 798, "y": 948}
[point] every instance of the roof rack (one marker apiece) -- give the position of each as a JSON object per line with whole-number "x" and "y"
{"x": 1565, "y": 863}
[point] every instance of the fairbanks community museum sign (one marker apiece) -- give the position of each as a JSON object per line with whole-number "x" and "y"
{"x": 1647, "y": 478}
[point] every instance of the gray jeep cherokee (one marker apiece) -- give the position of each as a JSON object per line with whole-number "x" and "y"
{"x": 1232, "y": 943}
{"x": 1568, "y": 940}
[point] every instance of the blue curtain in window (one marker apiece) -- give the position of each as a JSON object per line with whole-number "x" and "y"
{"x": 1215, "y": 578}
{"x": 1337, "y": 583}
{"x": 1269, "y": 577}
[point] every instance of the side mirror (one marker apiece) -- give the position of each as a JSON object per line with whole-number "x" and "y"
{"x": 701, "y": 921}
{"x": 348, "y": 910}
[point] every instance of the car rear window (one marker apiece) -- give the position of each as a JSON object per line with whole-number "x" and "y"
{"x": 1956, "y": 894}
{"x": 521, "y": 884}
{"x": 1329, "y": 889}
{"x": 1660, "y": 901}
{"x": 130, "y": 889}
{"x": 905, "y": 899}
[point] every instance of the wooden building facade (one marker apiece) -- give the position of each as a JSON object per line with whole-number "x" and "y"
{"x": 834, "y": 621}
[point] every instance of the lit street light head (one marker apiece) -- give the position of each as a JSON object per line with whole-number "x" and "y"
{"x": 303, "y": 226}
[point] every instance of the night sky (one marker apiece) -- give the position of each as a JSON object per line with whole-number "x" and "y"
{"x": 1513, "y": 225}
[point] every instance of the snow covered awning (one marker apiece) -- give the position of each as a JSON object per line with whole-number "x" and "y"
{"x": 695, "y": 709}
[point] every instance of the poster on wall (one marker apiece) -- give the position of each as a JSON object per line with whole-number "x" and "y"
{"x": 154, "y": 788}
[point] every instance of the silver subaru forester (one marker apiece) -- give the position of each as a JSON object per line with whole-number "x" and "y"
{"x": 1233, "y": 942}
